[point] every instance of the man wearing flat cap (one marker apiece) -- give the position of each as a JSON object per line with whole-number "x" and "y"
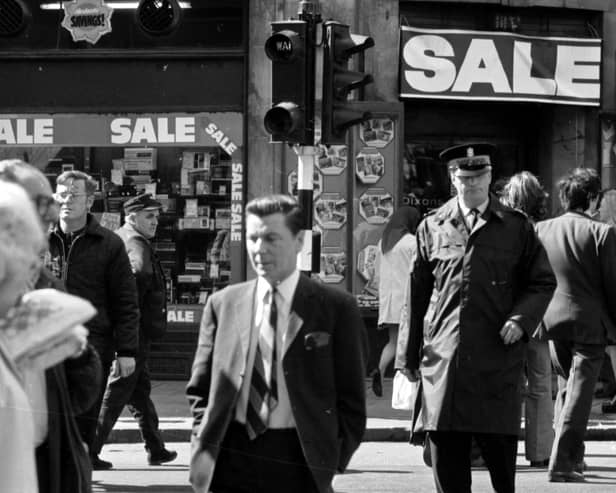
{"x": 480, "y": 286}
{"x": 140, "y": 223}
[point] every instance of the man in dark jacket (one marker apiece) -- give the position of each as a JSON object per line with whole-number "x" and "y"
{"x": 479, "y": 288}
{"x": 92, "y": 262}
{"x": 140, "y": 226}
{"x": 62, "y": 461}
{"x": 581, "y": 317}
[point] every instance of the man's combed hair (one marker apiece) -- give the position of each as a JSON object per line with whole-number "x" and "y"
{"x": 78, "y": 175}
{"x": 523, "y": 191}
{"x": 578, "y": 188}
{"x": 273, "y": 204}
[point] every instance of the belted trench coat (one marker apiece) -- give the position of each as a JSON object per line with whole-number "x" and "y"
{"x": 465, "y": 285}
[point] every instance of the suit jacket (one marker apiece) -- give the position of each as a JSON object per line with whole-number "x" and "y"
{"x": 325, "y": 381}
{"x": 582, "y": 252}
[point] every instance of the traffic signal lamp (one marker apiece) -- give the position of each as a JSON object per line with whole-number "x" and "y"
{"x": 338, "y": 81}
{"x": 291, "y": 119}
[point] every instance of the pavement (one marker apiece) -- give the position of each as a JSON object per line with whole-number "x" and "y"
{"x": 384, "y": 423}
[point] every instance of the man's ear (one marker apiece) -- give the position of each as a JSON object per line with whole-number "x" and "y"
{"x": 300, "y": 238}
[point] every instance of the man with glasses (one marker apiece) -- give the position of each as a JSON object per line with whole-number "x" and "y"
{"x": 479, "y": 288}
{"x": 93, "y": 263}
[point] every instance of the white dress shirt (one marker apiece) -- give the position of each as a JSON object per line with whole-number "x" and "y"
{"x": 466, "y": 212}
{"x": 281, "y": 416}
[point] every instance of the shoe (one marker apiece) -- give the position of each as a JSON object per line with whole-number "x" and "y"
{"x": 539, "y": 463}
{"x": 100, "y": 464}
{"x": 580, "y": 467}
{"x": 377, "y": 383}
{"x": 163, "y": 456}
{"x": 566, "y": 477}
{"x": 608, "y": 407}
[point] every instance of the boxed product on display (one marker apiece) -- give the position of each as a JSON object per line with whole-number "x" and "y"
{"x": 222, "y": 219}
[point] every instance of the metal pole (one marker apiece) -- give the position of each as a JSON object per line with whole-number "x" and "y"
{"x": 309, "y": 11}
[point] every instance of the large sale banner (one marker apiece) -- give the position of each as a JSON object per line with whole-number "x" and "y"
{"x": 497, "y": 66}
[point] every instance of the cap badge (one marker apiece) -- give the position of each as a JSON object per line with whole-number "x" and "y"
{"x": 470, "y": 152}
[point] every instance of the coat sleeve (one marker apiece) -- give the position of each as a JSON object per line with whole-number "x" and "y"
{"x": 350, "y": 345}
{"x": 141, "y": 265}
{"x": 607, "y": 260}
{"x": 198, "y": 388}
{"x": 122, "y": 292}
{"x": 536, "y": 282}
{"x": 422, "y": 283}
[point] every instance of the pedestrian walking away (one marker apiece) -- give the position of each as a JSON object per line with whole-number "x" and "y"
{"x": 581, "y": 318}
{"x": 141, "y": 220}
{"x": 479, "y": 288}
{"x": 397, "y": 250}
{"x": 93, "y": 263}
{"x": 524, "y": 192}
{"x": 277, "y": 384}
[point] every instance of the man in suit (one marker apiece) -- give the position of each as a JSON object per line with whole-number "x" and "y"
{"x": 581, "y": 316}
{"x": 277, "y": 385}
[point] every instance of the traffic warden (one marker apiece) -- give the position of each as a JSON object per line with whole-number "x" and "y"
{"x": 480, "y": 286}
{"x": 139, "y": 228}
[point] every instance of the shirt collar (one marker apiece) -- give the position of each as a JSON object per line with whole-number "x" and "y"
{"x": 285, "y": 288}
{"x": 481, "y": 207}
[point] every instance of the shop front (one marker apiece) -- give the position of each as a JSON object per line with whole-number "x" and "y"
{"x": 142, "y": 111}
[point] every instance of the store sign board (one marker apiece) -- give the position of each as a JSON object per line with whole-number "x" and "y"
{"x": 200, "y": 129}
{"x": 496, "y": 66}
{"x": 87, "y": 20}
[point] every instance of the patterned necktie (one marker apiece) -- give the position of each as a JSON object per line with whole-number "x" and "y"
{"x": 263, "y": 395}
{"x": 472, "y": 218}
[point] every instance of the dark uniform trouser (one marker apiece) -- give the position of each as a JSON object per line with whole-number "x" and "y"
{"x": 86, "y": 422}
{"x": 132, "y": 391}
{"x": 578, "y": 366}
{"x": 271, "y": 463}
{"x": 451, "y": 460}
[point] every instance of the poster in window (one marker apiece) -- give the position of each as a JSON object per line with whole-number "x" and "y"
{"x": 377, "y": 132}
{"x": 317, "y": 183}
{"x": 369, "y": 165}
{"x": 330, "y": 211}
{"x": 376, "y": 205}
{"x": 368, "y": 268}
{"x": 332, "y": 159}
{"x": 333, "y": 265}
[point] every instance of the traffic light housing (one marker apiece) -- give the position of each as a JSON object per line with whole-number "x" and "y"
{"x": 291, "y": 50}
{"x": 338, "y": 81}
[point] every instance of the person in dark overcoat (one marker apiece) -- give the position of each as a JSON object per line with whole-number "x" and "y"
{"x": 480, "y": 286}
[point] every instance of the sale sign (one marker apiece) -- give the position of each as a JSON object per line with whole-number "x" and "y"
{"x": 497, "y": 66}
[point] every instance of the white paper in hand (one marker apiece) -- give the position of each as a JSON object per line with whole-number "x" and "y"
{"x": 404, "y": 392}
{"x": 46, "y": 327}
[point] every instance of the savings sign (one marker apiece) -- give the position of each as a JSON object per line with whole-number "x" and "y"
{"x": 495, "y": 66}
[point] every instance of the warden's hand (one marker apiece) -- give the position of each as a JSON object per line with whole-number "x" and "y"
{"x": 511, "y": 332}
{"x": 411, "y": 375}
{"x": 198, "y": 477}
{"x": 124, "y": 366}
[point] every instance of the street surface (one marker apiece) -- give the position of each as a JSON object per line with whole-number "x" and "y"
{"x": 377, "y": 467}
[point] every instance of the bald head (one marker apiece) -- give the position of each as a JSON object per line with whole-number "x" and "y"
{"x": 21, "y": 242}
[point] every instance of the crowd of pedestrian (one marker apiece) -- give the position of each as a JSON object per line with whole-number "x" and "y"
{"x": 482, "y": 300}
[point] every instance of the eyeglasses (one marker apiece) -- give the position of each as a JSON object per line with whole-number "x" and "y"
{"x": 64, "y": 196}
{"x": 44, "y": 203}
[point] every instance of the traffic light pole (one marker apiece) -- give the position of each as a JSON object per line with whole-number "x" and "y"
{"x": 309, "y": 11}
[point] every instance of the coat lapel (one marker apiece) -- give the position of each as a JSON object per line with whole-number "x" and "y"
{"x": 298, "y": 314}
{"x": 243, "y": 313}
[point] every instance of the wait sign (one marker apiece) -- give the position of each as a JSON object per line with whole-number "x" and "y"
{"x": 482, "y": 65}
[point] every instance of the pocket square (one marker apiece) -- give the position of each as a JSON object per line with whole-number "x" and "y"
{"x": 317, "y": 339}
